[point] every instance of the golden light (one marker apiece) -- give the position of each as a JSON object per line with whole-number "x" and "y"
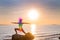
{"x": 33, "y": 14}
{"x": 33, "y": 28}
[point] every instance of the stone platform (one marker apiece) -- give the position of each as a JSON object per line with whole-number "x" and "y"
{"x": 27, "y": 36}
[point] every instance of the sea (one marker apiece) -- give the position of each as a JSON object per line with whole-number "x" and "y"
{"x": 41, "y": 32}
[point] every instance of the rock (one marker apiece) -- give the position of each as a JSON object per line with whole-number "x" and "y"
{"x": 27, "y": 36}
{"x": 17, "y": 37}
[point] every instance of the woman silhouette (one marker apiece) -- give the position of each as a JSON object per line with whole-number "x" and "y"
{"x": 20, "y": 26}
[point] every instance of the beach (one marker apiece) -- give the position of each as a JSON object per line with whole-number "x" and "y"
{"x": 6, "y": 31}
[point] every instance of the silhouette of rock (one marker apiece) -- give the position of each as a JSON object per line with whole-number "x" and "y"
{"x": 27, "y": 36}
{"x": 17, "y": 37}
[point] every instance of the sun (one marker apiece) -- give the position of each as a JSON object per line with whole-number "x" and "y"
{"x": 33, "y": 14}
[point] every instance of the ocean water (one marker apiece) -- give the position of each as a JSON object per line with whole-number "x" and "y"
{"x": 41, "y": 32}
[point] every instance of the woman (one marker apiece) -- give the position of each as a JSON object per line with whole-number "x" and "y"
{"x": 20, "y": 26}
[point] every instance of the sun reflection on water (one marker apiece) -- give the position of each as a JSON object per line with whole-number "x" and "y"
{"x": 33, "y": 28}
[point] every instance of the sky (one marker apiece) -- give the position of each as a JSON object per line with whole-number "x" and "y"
{"x": 11, "y": 10}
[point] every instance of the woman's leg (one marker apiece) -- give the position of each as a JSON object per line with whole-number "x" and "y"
{"x": 21, "y": 30}
{"x": 16, "y": 30}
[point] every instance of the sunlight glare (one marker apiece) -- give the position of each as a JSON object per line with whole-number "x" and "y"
{"x": 33, "y": 14}
{"x": 33, "y": 28}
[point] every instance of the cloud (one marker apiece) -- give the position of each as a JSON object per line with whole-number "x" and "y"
{"x": 7, "y": 3}
{"x": 51, "y": 6}
{"x": 7, "y": 6}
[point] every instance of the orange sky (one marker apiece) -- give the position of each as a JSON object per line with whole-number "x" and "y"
{"x": 49, "y": 13}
